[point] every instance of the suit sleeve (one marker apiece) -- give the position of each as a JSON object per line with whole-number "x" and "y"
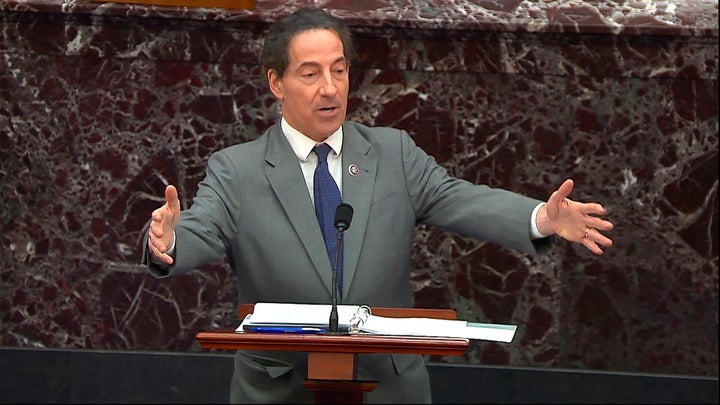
{"x": 478, "y": 211}
{"x": 203, "y": 229}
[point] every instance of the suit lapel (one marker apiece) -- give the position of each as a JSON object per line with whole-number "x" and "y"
{"x": 357, "y": 191}
{"x": 287, "y": 181}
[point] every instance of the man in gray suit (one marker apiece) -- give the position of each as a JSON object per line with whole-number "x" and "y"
{"x": 256, "y": 206}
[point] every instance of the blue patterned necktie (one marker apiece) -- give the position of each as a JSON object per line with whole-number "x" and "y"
{"x": 327, "y": 198}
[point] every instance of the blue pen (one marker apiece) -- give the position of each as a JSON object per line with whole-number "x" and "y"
{"x": 284, "y": 329}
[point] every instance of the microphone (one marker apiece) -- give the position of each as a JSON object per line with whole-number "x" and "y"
{"x": 343, "y": 217}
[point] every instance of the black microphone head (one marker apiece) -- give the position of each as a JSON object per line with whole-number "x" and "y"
{"x": 343, "y": 216}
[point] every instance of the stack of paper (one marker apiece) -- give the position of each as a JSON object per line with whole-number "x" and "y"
{"x": 299, "y": 318}
{"x": 438, "y": 327}
{"x": 270, "y": 314}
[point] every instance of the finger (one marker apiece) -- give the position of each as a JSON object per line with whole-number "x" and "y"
{"x": 566, "y": 188}
{"x": 599, "y": 224}
{"x": 594, "y": 240}
{"x": 605, "y": 241}
{"x": 171, "y": 196}
{"x": 593, "y": 208}
{"x": 156, "y": 229}
{"x": 164, "y": 257}
{"x": 157, "y": 215}
{"x": 158, "y": 249}
{"x": 590, "y": 219}
{"x": 156, "y": 244}
{"x": 592, "y": 246}
{"x": 595, "y": 236}
{"x": 561, "y": 193}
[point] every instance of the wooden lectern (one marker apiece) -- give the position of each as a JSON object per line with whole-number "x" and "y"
{"x": 332, "y": 359}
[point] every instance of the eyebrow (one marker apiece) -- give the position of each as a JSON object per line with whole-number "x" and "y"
{"x": 315, "y": 64}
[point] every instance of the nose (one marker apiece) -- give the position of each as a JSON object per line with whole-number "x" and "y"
{"x": 327, "y": 85}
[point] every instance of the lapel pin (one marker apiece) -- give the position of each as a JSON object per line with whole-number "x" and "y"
{"x": 353, "y": 169}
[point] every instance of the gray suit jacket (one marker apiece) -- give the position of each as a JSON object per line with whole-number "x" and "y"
{"x": 254, "y": 207}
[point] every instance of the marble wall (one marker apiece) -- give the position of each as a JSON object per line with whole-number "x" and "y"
{"x": 103, "y": 104}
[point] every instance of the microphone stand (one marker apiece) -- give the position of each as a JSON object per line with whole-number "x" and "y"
{"x": 343, "y": 217}
{"x": 333, "y": 326}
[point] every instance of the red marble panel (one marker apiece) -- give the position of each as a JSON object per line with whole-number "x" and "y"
{"x": 101, "y": 105}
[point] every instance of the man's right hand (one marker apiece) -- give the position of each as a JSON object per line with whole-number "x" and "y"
{"x": 162, "y": 225}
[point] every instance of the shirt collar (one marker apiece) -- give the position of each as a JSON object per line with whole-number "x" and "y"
{"x": 302, "y": 145}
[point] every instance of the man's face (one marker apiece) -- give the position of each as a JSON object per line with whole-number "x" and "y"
{"x": 314, "y": 91}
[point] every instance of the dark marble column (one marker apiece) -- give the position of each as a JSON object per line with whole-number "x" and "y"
{"x": 103, "y": 104}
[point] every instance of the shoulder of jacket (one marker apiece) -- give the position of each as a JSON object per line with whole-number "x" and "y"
{"x": 371, "y": 130}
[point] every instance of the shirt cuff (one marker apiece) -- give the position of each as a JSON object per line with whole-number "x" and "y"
{"x": 534, "y": 232}
{"x": 171, "y": 249}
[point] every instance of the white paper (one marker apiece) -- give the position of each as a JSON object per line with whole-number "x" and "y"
{"x": 432, "y": 327}
{"x": 413, "y": 326}
{"x": 318, "y": 316}
{"x": 302, "y": 315}
{"x": 490, "y": 331}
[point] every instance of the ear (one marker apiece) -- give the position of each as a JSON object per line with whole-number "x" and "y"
{"x": 275, "y": 83}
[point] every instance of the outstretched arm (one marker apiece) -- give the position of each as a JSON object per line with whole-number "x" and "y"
{"x": 574, "y": 221}
{"x": 162, "y": 226}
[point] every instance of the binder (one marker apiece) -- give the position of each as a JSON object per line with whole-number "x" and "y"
{"x": 296, "y": 316}
{"x": 269, "y": 317}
